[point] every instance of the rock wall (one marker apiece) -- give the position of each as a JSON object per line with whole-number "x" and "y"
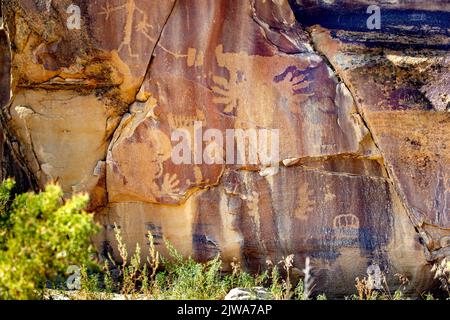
{"x": 11, "y": 162}
{"x": 362, "y": 182}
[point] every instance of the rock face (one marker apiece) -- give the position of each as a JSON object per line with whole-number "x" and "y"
{"x": 12, "y": 164}
{"x": 360, "y": 180}
{"x": 402, "y": 78}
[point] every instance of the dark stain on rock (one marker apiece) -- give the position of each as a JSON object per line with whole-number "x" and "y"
{"x": 156, "y": 231}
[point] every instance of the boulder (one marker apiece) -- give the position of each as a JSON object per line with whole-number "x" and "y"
{"x": 257, "y": 293}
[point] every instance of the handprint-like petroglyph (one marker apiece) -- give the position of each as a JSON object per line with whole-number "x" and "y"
{"x": 226, "y": 92}
{"x": 246, "y": 93}
{"x": 143, "y": 26}
{"x": 300, "y": 79}
{"x": 170, "y": 185}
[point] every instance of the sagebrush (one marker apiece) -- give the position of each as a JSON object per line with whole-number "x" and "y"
{"x": 40, "y": 236}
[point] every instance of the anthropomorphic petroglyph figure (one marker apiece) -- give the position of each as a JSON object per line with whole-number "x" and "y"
{"x": 142, "y": 26}
{"x": 244, "y": 88}
{"x": 305, "y": 203}
{"x": 152, "y": 147}
{"x": 162, "y": 152}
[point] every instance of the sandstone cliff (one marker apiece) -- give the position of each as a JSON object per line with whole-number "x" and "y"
{"x": 363, "y": 180}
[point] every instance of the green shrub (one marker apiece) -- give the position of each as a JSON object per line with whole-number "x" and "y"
{"x": 179, "y": 278}
{"x": 40, "y": 236}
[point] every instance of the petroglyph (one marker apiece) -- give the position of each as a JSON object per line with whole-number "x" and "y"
{"x": 228, "y": 91}
{"x": 142, "y": 26}
{"x": 187, "y": 123}
{"x": 306, "y": 202}
{"x": 198, "y": 177}
{"x": 194, "y": 57}
{"x": 252, "y": 201}
{"x": 346, "y": 221}
{"x": 241, "y": 86}
{"x": 300, "y": 79}
{"x": 170, "y": 185}
{"x": 152, "y": 147}
{"x": 182, "y": 121}
{"x": 346, "y": 226}
{"x": 255, "y": 98}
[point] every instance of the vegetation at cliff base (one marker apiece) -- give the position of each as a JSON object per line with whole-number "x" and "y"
{"x": 43, "y": 235}
{"x": 40, "y": 236}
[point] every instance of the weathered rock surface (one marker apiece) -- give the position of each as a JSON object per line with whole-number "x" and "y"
{"x": 402, "y": 89}
{"x": 257, "y": 293}
{"x": 362, "y": 175}
{"x": 5, "y": 64}
{"x": 12, "y": 164}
